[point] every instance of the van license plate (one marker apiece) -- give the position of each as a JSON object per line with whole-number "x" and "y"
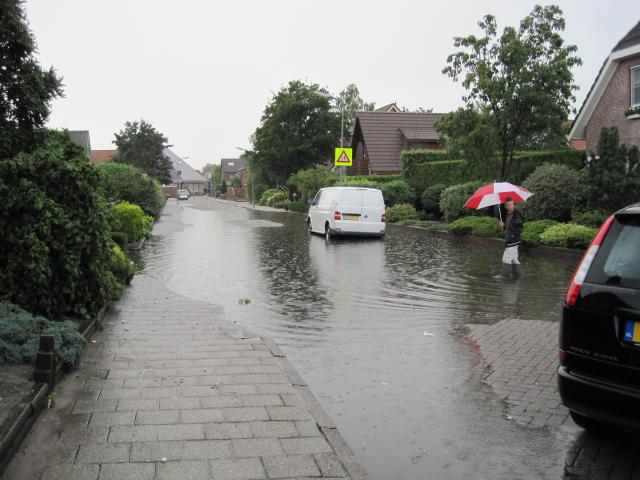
{"x": 632, "y": 332}
{"x": 354, "y": 218}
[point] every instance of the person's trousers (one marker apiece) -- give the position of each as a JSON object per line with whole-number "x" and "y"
{"x": 510, "y": 255}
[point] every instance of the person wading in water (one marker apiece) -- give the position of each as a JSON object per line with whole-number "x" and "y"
{"x": 512, "y": 226}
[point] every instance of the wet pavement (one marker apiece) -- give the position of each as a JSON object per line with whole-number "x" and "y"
{"x": 379, "y": 329}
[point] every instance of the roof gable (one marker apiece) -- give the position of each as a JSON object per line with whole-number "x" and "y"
{"x": 232, "y": 165}
{"x": 187, "y": 173}
{"x": 385, "y": 135}
{"x": 630, "y": 39}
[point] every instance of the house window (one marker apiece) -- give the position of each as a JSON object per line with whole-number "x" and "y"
{"x": 635, "y": 86}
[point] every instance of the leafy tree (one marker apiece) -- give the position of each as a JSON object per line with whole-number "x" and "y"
{"x": 469, "y": 133}
{"x": 522, "y": 77}
{"x": 212, "y": 170}
{"x": 613, "y": 176}
{"x": 350, "y": 100}
{"x": 298, "y": 129}
{"x": 236, "y": 182}
{"x": 417, "y": 110}
{"x": 141, "y": 145}
{"x": 310, "y": 180}
{"x": 26, "y": 89}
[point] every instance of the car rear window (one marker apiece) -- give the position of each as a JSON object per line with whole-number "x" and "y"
{"x": 618, "y": 261}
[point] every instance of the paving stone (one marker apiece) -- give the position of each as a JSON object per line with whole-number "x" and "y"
{"x": 278, "y": 429}
{"x": 257, "y": 447}
{"x": 184, "y": 470}
{"x": 240, "y": 389}
{"x": 160, "y": 417}
{"x": 137, "y": 433}
{"x": 122, "y": 471}
{"x": 138, "y": 404}
{"x": 90, "y": 406}
{"x": 291, "y": 466}
{"x": 260, "y": 400}
{"x": 237, "y": 469}
{"x": 70, "y": 472}
{"x": 180, "y": 403}
{"x": 165, "y": 392}
{"x": 180, "y": 432}
{"x": 181, "y": 450}
{"x": 118, "y": 393}
{"x": 308, "y": 428}
{"x": 76, "y": 436}
{"x": 228, "y": 430}
{"x": 198, "y": 391}
{"x": 221, "y": 401}
{"x": 244, "y": 414}
{"x": 288, "y": 413}
{"x": 107, "y": 419}
{"x": 103, "y": 453}
{"x": 330, "y": 465}
{"x": 304, "y": 445}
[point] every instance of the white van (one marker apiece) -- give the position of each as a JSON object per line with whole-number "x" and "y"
{"x": 347, "y": 211}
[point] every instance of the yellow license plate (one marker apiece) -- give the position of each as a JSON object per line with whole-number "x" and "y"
{"x": 632, "y": 332}
{"x": 354, "y": 218}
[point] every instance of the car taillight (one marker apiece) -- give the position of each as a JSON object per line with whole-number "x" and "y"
{"x": 383, "y": 219}
{"x": 585, "y": 264}
{"x": 337, "y": 216}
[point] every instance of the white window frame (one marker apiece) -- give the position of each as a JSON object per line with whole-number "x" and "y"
{"x": 635, "y": 102}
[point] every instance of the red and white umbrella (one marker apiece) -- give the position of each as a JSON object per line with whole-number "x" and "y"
{"x": 495, "y": 194}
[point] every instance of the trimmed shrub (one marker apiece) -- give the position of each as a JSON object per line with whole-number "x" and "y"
{"x": 568, "y": 235}
{"x": 525, "y": 163}
{"x": 552, "y": 187}
{"x": 409, "y": 158}
{"x": 55, "y": 232}
{"x": 131, "y": 220}
{"x": 532, "y": 230}
{"x": 400, "y": 212}
{"x": 375, "y": 178}
{"x": 310, "y": 180}
{"x": 430, "y": 199}
{"x": 361, "y": 182}
{"x": 272, "y": 195}
{"x": 121, "y": 239}
{"x": 121, "y": 266}
{"x": 299, "y": 206}
{"x": 592, "y": 219}
{"x": 397, "y": 192}
{"x": 453, "y": 198}
{"x": 448, "y": 172}
{"x": 477, "y": 226}
{"x": 284, "y": 204}
{"x": 125, "y": 183}
{"x": 20, "y": 336}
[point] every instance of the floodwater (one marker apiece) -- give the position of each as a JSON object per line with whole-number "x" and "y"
{"x": 377, "y": 329}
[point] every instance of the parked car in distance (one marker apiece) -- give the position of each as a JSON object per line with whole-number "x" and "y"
{"x": 347, "y": 211}
{"x": 183, "y": 195}
{"x": 599, "y": 372}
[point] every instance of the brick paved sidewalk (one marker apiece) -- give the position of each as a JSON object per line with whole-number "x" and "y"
{"x": 168, "y": 392}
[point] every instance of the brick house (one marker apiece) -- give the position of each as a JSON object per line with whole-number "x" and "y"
{"x": 380, "y": 136}
{"x": 615, "y": 91}
{"x": 102, "y": 156}
{"x": 233, "y": 167}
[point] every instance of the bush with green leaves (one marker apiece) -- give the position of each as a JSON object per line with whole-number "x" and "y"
{"x": 121, "y": 266}
{"x": 363, "y": 182}
{"x": 272, "y": 195}
{"x": 397, "y": 192}
{"x": 375, "y": 178}
{"x": 552, "y": 187}
{"x": 121, "y": 239}
{"x": 131, "y": 220}
{"x": 55, "y": 231}
{"x": 593, "y": 218}
{"x": 453, "y": 198}
{"x": 430, "y": 199}
{"x": 568, "y": 235}
{"x": 310, "y": 180}
{"x": 126, "y": 183}
{"x": 299, "y": 206}
{"x": 20, "y": 336}
{"x": 532, "y": 230}
{"x": 403, "y": 211}
{"x": 477, "y": 226}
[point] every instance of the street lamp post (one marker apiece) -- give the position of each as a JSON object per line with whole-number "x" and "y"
{"x": 340, "y": 103}
{"x": 253, "y": 173}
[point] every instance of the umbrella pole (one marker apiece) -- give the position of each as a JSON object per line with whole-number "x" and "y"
{"x": 500, "y": 212}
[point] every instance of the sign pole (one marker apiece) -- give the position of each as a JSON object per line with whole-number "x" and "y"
{"x": 342, "y": 169}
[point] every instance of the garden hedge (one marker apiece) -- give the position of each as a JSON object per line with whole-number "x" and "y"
{"x": 553, "y": 186}
{"x": 131, "y": 220}
{"x": 453, "y": 198}
{"x": 401, "y": 212}
{"x": 477, "y": 226}
{"x": 121, "y": 182}
{"x": 524, "y": 163}
{"x": 568, "y": 235}
{"x": 532, "y": 230}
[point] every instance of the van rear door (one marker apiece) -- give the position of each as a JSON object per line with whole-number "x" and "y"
{"x": 350, "y": 207}
{"x": 372, "y": 210}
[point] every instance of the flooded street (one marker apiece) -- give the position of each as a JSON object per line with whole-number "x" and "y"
{"x": 378, "y": 328}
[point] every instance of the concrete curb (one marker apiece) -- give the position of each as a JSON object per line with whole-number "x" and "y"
{"x": 36, "y": 400}
{"x": 344, "y": 453}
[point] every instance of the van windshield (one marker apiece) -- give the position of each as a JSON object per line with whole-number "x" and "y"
{"x": 618, "y": 262}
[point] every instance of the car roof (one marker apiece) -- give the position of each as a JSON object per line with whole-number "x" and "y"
{"x": 630, "y": 210}
{"x": 352, "y": 188}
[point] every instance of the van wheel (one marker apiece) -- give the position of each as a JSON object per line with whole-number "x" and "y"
{"x": 589, "y": 424}
{"x": 309, "y": 228}
{"x": 327, "y": 232}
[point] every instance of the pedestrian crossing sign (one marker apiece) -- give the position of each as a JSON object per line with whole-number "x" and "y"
{"x": 343, "y": 157}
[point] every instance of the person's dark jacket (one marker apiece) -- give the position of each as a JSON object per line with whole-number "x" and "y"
{"x": 513, "y": 228}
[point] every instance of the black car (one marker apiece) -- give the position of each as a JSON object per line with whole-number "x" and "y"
{"x": 599, "y": 372}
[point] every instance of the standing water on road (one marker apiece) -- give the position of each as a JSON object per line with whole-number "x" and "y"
{"x": 377, "y": 329}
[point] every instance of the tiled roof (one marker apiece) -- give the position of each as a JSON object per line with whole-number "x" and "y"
{"x": 102, "y": 156}
{"x": 420, "y": 134}
{"x": 232, "y": 165}
{"x": 81, "y": 137}
{"x": 630, "y": 39}
{"x": 382, "y": 133}
{"x": 188, "y": 173}
{"x": 391, "y": 107}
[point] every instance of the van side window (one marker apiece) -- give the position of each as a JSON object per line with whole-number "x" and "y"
{"x": 316, "y": 199}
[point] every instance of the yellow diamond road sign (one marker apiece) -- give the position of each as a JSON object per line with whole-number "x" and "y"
{"x": 343, "y": 157}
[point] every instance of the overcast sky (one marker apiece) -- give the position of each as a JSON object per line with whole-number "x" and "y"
{"x": 202, "y": 71}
